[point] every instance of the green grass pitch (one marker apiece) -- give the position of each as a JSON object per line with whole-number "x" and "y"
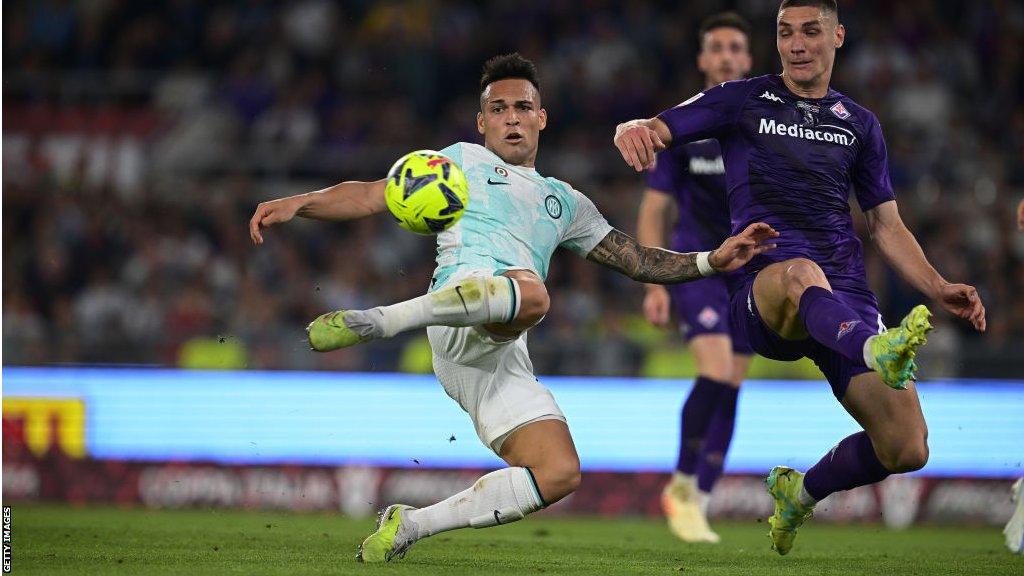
{"x": 50, "y": 539}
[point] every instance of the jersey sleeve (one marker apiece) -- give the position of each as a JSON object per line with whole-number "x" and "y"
{"x": 664, "y": 177}
{"x": 587, "y": 229}
{"x": 871, "y": 181}
{"x": 708, "y": 114}
{"x": 454, "y": 151}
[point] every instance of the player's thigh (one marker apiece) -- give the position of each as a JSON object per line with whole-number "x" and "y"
{"x": 892, "y": 418}
{"x": 776, "y": 293}
{"x": 713, "y": 354}
{"x": 539, "y": 444}
{"x": 740, "y": 367}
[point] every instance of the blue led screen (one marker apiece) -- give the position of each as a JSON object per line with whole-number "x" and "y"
{"x": 976, "y": 428}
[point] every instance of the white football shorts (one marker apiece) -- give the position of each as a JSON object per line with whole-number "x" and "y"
{"x": 492, "y": 380}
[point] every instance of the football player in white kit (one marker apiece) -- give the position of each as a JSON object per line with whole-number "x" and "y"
{"x": 486, "y": 292}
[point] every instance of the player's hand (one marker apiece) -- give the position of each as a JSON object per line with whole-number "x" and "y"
{"x": 270, "y": 213}
{"x": 638, "y": 143}
{"x": 739, "y": 249}
{"x": 963, "y": 302}
{"x": 1020, "y": 216}
{"x": 657, "y": 306}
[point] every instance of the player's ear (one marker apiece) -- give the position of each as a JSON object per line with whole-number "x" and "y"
{"x": 746, "y": 63}
{"x": 542, "y": 116}
{"x": 480, "y": 122}
{"x": 840, "y": 35}
{"x": 702, "y": 64}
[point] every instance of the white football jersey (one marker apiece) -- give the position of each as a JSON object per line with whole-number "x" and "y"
{"x": 514, "y": 220}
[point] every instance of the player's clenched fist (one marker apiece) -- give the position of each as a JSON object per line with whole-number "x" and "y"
{"x": 638, "y": 143}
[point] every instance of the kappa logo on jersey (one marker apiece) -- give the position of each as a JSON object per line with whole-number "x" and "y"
{"x": 770, "y": 97}
{"x": 840, "y": 111}
{"x": 554, "y": 206}
{"x": 708, "y": 318}
{"x": 845, "y": 328}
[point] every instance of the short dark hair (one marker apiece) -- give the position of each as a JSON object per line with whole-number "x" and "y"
{"x": 724, "y": 20}
{"x": 508, "y": 66}
{"x": 826, "y": 5}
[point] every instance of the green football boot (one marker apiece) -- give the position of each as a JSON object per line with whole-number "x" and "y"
{"x": 384, "y": 544}
{"x": 894, "y": 350}
{"x": 784, "y": 485}
{"x": 329, "y": 332}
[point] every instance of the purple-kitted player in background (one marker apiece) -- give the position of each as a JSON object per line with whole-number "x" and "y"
{"x": 793, "y": 149}
{"x": 686, "y": 189}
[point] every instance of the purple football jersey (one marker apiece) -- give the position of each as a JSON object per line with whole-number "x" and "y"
{"x": 694, "y": 175}
{"x": 791, "y": 162}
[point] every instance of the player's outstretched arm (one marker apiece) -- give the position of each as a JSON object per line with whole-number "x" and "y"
{"x": 639, "y": 140}
{"x": 901, "y": 250}
{"x": 345, "y": 201}
{"x": 622, "y": 253}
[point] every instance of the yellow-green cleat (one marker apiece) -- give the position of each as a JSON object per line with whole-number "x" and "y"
{"x": 384, "y": 544}
{"x": 329, "y": 332}
{"x": 784, "y": 485}
{"x": 894, "y": 350}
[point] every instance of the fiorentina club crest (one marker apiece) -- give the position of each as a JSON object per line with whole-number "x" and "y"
{"x": 845, "y": 328}
{"x": 708, "y": 318}
{"x": 839, "y": 110}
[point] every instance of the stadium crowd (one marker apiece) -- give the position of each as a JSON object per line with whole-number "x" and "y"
{"x": 139, "y": 136}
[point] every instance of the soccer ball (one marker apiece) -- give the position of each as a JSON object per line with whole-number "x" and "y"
{"x": 426, "y": 192}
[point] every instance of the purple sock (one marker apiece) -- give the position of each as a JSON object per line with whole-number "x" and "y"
{"x": 851, "y": 463}
{"x": 833, "y": 323}
{"x": 717, "y": 440}
{"x": 697, "y": 412}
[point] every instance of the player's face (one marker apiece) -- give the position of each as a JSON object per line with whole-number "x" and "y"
{"x": 724, "y": 55}
{"x": 511, "y": 119}
{"x": 807, "y": 39}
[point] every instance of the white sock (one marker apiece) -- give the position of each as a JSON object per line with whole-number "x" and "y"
{"x": 869, "y": 358}
{"x": 500, "y": 497}
{"x": 688, "y": 479}
{"x": 470, "y": 302}
{"x": 703, "y": 502}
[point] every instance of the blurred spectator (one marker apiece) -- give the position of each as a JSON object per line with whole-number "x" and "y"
{"x": 138, "y": 138}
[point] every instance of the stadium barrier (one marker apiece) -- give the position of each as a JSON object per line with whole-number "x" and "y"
{"x": 350, "y": 442}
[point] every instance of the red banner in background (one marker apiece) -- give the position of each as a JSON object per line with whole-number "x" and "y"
{"x": 361, "y": 491}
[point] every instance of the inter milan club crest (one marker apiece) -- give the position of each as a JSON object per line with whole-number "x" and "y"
{"x": 810, "y": 112}
{"x": 840, "y": 111}
{"x": 554, "y": 206}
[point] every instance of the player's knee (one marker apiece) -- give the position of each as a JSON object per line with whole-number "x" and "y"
{"x": 907, "y": 457}
{"x": 568, "y": 480}
{"x": 558, "y": 479}
{"x": 535, "y": 302}
{"x": 800, "y": 274}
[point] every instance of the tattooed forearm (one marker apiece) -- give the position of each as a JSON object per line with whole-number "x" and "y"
{"x": 621, "y": 252}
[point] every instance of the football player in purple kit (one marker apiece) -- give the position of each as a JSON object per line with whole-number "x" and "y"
{"x": 687, "y": 185}
{"x": 793, "y": 148}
